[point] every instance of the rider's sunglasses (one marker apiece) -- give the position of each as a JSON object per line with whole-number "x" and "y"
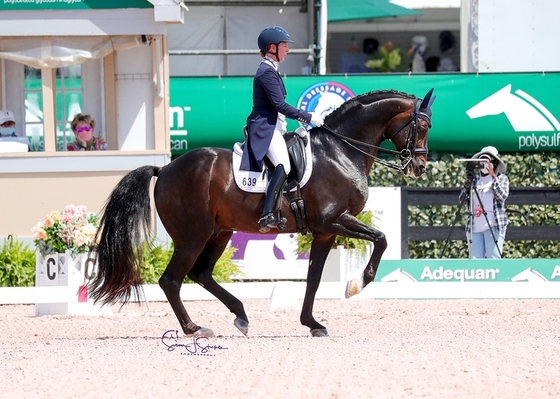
{"x": 80, "y": 129}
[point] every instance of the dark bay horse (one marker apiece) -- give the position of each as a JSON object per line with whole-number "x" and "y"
{"x": 200, "y": 205}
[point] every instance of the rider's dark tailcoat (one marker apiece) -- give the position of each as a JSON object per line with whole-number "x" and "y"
{"x": 269, "y": 95}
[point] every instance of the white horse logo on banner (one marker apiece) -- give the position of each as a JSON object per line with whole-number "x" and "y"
{"x": 529, "y": 275}
{"x": 398, "y": 276}
{"x": 523, "y": 112}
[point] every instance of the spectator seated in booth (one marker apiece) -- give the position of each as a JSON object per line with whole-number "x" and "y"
{"x": 83, "y": 127}
{"x": 354, "y": 60}
{"x": 7, "y": 124}
{"x": 9, "y": 140}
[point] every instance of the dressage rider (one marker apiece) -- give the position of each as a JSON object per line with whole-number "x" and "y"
{"x": 267, "y": 122}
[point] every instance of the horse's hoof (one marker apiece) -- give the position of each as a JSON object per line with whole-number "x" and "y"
{"x": 353, "y": 287}
{"x": 203, "y": 332}
{"x": 319, "y": 332}
{"x": 241, "y": 325}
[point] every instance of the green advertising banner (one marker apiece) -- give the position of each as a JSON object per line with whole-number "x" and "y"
{"x": 469, "y": 270}
{"x": 513, "y": 111}
{"x": 11, "y": 5}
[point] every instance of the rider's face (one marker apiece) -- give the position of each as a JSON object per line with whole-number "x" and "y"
{"x": 282, "y": 51}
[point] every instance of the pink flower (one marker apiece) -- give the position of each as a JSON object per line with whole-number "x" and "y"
{"x": 55, "y": 215}
{"x": 39, "y": 232}
{"x": 51, "y": 219}
{"x": 72, "y": 230}
{"x": 79, "y": 239}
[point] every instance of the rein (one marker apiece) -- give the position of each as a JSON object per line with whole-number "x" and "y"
{"x": 405, "y": 155}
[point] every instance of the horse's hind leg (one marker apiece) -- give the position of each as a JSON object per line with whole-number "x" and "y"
{"x": 201, "y": 273}
{"x": 171, "y": 281}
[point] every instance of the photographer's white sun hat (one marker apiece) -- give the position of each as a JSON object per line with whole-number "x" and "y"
{"x": 493, "y": 152}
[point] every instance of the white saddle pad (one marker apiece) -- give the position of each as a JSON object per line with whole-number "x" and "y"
{"x": 255, "y": 182}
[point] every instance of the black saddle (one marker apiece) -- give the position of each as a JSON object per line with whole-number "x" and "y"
{"x": 298, "y": 161}
{"x": 298, "y": 158}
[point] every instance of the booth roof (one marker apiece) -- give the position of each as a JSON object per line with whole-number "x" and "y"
{"x": 343, "y": 10}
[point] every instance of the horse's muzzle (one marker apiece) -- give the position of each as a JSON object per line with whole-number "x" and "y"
{"x": 420, "y": 170}
{"x": 415, "y": 169}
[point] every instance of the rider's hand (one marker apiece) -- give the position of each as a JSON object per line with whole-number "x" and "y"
{"x": 317, "y": 119}
{"x": 301, "y": 131}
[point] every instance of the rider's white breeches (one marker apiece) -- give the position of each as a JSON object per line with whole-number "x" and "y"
{"x": 277, "y": 150}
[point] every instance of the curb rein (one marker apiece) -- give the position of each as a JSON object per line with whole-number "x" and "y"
{"x": 406, "y": 154}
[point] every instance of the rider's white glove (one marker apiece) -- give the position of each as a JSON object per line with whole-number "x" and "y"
{"x": 317, "y": 119}
{"x": 301, "y": 131}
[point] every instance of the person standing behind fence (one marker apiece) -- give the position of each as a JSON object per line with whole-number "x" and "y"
{"x": 83, "y": 127}
{"x": 492, "y": 186}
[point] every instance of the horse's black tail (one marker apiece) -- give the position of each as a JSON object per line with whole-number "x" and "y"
{"x": 125, "y": 222}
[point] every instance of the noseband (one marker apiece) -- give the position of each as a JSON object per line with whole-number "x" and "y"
{"x": 406, "y": 155}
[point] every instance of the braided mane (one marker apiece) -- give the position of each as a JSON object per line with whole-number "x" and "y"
{"x": 368, "y": 98}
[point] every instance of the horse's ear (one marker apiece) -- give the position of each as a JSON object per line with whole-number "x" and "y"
{"x": 427, "y": 99}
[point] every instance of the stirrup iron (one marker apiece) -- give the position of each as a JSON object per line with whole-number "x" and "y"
{"x": 281, "y": 221}
{"x": 267, "y": 222}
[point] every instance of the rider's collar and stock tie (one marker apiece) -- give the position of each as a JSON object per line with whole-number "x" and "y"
{"x": 421, "y": 110}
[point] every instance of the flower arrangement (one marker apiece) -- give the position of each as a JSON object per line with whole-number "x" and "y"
{"x": 390, "y": 59}
{"x": 72, "y": 230}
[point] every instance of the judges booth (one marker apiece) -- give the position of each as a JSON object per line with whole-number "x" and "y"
{"x": 105, "y": 58}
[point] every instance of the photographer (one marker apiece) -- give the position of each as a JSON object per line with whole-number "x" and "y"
{"x": 486, "y": 189}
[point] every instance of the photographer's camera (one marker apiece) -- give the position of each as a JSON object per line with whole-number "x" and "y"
{"x": 473, "y": 169}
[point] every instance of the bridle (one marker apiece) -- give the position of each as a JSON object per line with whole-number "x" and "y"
{"x": 406, "y": 155}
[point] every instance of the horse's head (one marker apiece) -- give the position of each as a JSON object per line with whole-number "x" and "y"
{"x": 408, "y": 131}
{"x": 365, "y": 121}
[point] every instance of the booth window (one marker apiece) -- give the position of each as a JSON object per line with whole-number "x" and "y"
{"x": 68, "y": 102}
{"x": 33, "y": 108}
{"x": 62, "y": 76}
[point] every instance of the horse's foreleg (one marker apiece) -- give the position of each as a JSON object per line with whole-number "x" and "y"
{"x": 170, "y": 282}
{"x": 320, "y": 248}
{"x": 201, "y": 273}
{"x": 355, "y": 286}
{"x": 348, "y": 225}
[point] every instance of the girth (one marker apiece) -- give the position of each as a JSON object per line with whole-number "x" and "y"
{"x": 298, "y": 158}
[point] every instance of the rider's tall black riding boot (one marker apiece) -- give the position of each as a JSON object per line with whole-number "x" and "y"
{"x": 273, "y": 192}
